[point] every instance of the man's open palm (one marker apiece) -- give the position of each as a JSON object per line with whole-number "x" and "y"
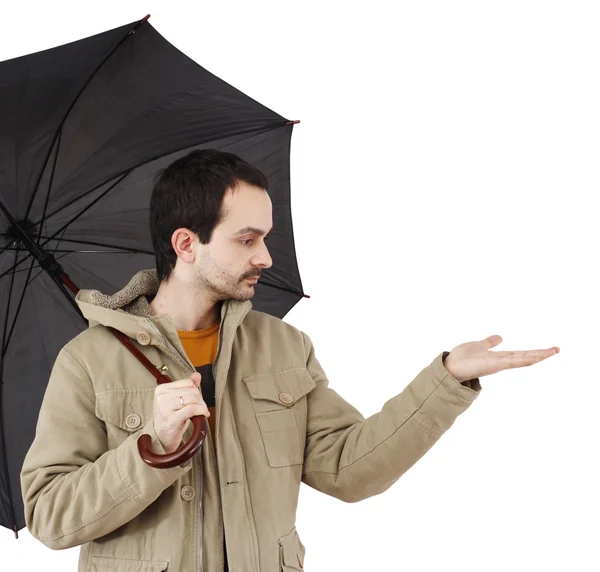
{"x": 473, "y": 359}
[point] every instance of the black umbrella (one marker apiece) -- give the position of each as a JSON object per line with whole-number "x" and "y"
{"x": 83, "y": 129}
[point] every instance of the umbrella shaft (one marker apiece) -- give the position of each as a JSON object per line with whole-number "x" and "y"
{"x": 44, "y": 258}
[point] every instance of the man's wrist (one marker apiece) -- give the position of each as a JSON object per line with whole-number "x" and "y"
{"x": 466, "y": 382}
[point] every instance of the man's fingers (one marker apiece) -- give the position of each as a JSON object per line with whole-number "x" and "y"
{"x": 189, "y": 411}
{"x": 193, "y": 392}
{"x": 191, "y": 402}
{"x": 189, "y": 396}
{"x": 524, "y": 358}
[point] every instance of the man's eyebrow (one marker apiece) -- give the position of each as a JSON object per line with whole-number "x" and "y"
{"x": 253, "y": 230}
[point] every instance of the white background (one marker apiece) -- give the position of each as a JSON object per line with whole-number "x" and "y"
{"x": 445, "y": 178}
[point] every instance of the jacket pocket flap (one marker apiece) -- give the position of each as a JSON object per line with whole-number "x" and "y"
{"x": 291, "y": 551}
{"x": 284, "y": 387}
{"x": 128, "y": 409}
{"x": 101, "y": 563}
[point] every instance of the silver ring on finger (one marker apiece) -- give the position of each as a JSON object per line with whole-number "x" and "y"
{"x": 182, "y": 403}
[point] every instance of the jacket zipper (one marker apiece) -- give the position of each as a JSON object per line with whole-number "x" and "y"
{"x": 219, "y": 345}
{"x": 169, "y": 349}
{"x": 176, "y": 355}
{"x": 219, "y": 466}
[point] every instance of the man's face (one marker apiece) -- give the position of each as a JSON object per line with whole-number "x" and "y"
{"x": 228, "y": 266}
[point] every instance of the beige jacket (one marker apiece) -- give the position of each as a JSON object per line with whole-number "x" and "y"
{"x": 277, "y": 423}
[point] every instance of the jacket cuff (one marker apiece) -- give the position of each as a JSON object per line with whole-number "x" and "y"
{"x": 472, "y": 384}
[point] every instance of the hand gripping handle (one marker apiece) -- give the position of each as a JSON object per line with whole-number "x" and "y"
{"x": 182, "y": 454}
{"x": 187, "y": 450}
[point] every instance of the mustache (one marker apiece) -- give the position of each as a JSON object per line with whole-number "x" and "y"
{"x": 251, "y": 275}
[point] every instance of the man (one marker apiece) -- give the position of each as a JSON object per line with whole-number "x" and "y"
{"x": 274, "y": 422}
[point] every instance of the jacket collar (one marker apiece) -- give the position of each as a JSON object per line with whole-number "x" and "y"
{"x": 129, "y": 311}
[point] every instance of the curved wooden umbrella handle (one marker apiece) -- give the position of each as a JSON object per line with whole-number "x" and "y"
{"x": 145, "y": 441}
{"x": 175, "y": 458}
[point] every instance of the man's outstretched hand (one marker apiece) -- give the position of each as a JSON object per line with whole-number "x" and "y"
{"x": 473, "y": 359}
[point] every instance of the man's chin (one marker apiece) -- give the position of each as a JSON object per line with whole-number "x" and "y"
{"x": 244, "y": 294}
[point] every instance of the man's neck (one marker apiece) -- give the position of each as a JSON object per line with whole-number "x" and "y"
{"x": 187, "y": 310}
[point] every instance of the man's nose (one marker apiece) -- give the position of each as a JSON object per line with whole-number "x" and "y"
{"x": 263, "y": 258}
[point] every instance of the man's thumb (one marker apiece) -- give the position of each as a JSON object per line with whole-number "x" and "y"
{"x": 197, "y": 378}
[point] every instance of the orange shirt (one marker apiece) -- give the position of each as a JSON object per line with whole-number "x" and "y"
{"x": 201, "y": 348}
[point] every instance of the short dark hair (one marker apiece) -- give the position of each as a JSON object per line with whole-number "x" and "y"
{"x": 189, "y": 193}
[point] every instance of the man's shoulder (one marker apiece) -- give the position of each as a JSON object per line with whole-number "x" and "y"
{"x": 89, "y": 340}
{"x": 266, "y": 324}
{"x": 255, "y": 317}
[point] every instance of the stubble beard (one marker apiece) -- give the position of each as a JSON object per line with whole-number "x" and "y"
{"x": 220, "y": 285}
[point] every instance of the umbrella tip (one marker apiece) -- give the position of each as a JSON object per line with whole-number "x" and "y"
{"x": 145, "y": 19}
{"x": 16, "y": 531}
{"x": 293, "y": 122}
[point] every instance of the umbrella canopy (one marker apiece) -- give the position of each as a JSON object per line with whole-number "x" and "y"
{"x": 84, "y": 128}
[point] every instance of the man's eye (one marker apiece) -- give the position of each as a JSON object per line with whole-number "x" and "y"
{"x": 247, "y": 242}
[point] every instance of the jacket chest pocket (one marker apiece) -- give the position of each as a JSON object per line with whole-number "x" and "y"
{"x": 280, "y": 406}
{"x": 124, "y": 411}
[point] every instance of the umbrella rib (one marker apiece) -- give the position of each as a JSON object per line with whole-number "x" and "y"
{"x": 57, "y": 241}
{"x": 115, "y": 246}
{"x": 64, "y": 227}
{"x": 15, "y": 265}
{"x": 68, "y": 223}
{"x": 50, "y": 184}
{"x": 12, "y": 329}
{"x": 115, "y": 251}
{"x": 2, "y": 429}
{"x": 59, "y": 129}
{"x": 87, "y": 242}
{"x": 271, "y": 285}
{"x": 10, "y": 289}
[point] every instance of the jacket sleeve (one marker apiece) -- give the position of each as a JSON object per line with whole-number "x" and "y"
{"x": 74, "y": 489}
{"x": 353, "y": 458}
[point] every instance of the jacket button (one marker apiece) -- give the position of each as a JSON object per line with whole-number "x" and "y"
{"x": 285, "y": 398}
{"x": 187, "y": 493}
{"x": 133, "y": 421}
{"x": 143, "y": 338}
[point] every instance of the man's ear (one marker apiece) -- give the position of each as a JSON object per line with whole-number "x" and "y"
{"x": 182, "y": 241}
